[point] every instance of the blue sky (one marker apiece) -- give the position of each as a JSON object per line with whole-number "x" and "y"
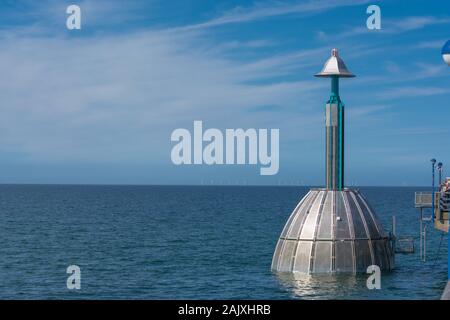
{"x": 98, "y": 105}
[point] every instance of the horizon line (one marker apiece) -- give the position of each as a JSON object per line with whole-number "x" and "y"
{"x": 204, "y": 185}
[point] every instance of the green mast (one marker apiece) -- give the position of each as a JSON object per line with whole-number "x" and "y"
{"x": 334, "y": 68}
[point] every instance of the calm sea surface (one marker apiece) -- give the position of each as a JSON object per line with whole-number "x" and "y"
{"x": 158, "y": 242}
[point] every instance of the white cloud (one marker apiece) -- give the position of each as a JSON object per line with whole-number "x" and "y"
{"x": 50, "y": 13}
{"x": 414, "y": 23}
{"x": 363, "y": 111}
{"x": 389, "y": 26}
{"x": 272, "y": 9}
{"x": 117, "y": 98}
{"x": 431, "y": 44}
{"x": 405, "y": 92}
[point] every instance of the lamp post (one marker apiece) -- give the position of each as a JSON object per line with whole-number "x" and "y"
{"x": 433, "y": 166}
{"x": 446, "y": 56}
{"x": 439, "y": 167}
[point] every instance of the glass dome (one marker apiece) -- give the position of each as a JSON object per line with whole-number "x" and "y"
{"x": 332, "y": 231}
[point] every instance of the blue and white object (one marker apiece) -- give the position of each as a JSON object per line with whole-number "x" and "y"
{"x": 446, "y": 52}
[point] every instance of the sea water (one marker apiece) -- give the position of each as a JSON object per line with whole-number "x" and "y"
{"x": 186, "y": 242}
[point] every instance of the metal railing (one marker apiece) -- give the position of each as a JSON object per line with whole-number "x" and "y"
{"x": 423, "y": 200}
{"x": 404, "y": 244}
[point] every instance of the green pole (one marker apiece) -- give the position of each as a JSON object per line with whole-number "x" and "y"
{"x": 337, "y": 142}
{"x": 334, "y": 88}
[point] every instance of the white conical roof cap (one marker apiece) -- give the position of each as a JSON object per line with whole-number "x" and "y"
{"x": 335, "y": 66}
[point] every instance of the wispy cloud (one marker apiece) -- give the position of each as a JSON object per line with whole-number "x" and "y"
{"x": 104, "y": 98}
{"x": 272, "y": 9}
{"x": 415, "y": 71}
{"x": 432, "y": 130}
{"x": 395, "y": 73}
{"x": 389, "y": 26}
{"x": 52, "y": 13}
{"x": 363, "y": 111}
{"x": 432, "y": 44}
{"x": 405, "y": 92}
{"x": 414, "y": 23}
{"x": 428, "y": 70}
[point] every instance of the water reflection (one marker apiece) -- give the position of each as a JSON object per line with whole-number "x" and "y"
{"x": 323, "y": 286}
